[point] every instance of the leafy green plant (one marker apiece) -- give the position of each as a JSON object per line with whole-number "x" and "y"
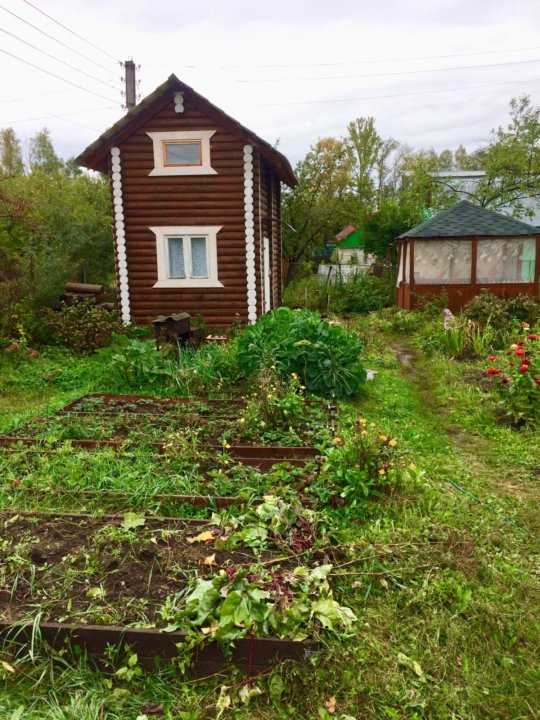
{"x": 454, "y": 340}
{"x": 257, "y": 601}
{"x": 275, "y": 404}
{"x": 326, "y": 358}
{"x": 358, "y": 465}
{"x": 82, "y": 327}
{"x": 138, "y": 363}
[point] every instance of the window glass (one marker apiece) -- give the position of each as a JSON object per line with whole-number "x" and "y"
{"x": 442, "y": 261}
{"x": 176, "y": 257}
{"x": 184, "y": 153}
{"x": 506, "y": 260}
{"x": 199, "y": 262}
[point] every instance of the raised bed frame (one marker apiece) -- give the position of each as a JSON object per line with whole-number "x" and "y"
{"x": 251, "y": 655}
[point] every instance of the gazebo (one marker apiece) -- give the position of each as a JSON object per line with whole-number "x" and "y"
{"x": 463, "y": 250}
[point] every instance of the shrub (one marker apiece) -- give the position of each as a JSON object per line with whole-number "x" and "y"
{"x": 524, "y": 308}
{"x": 488, "y": 308}
{"x": 326, "y": 358}
{"x": 361, "y": 294}
{"x": 83, "y": 326}
{"x": 357, "y": 294}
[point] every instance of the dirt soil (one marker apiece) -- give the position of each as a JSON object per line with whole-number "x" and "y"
{"x": 94, "y": 570}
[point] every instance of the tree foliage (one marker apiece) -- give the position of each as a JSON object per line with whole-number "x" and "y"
{"x": 55, "y": 226}
{"x": 385, "y": 187}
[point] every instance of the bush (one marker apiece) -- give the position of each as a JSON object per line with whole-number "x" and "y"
{"x": 326, "y": 358}
{"x": 361, "y": 294}
{"x": 502, "y": 314}
{"x": 83, "y": 326}
{"x": 357, "y": 294}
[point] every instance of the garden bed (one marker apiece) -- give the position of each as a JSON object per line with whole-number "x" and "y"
{"x": 110, "y": 570}
{"x": 172, "y": 422}
{"x": 111, "y": 581}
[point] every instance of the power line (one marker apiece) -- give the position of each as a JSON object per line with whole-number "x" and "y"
{"x": 371, "y": 75}
{"x": 62, "y": 116}
{"x": 34, "y": 97}
{"x": 62, "y": 62}
{"x": 104, "y": 52}
{"x": 56, "y": 39}
{"x": 58, "y": 77}
{"x": 394, "y": 95}
{"x": 357, "y": 62}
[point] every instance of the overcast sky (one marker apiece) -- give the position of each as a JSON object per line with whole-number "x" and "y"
{"x": 433, "y": 73}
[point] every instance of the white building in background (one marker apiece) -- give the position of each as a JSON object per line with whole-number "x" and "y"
{"x": 466, "y": 181}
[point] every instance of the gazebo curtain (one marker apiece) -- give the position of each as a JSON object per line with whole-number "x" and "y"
{"x": 439, "y": 261}
{"x": 506, "y": 260}
{"x": 499, "y": 260}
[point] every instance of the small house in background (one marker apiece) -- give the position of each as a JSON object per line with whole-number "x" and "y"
{"x": 348, "y": 255}
{"x": 463, "y": 250}
{"x": 196, "y": 204}
{"x": 349, "y": 248}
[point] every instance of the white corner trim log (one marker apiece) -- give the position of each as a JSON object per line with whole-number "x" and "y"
{"x": 250, "y": 234}
{"x": 120, "y": 233}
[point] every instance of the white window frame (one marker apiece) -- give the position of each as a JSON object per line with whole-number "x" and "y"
{"x": 186, "y": 232}
{"x": 200, "y": 136}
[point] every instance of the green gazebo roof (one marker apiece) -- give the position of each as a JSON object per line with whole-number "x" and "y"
{"x": 466, "y": 218}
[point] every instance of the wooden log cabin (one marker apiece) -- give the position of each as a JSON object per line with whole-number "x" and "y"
{"x": 196, "y": 203}
{"x": 466, "y": 249}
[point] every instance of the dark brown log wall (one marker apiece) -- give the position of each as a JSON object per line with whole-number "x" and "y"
{"x": 186, "y": 200}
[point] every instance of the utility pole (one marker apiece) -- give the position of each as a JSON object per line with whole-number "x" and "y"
{"x": 131, "y": 87}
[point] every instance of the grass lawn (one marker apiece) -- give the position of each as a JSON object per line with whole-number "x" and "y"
{"x": 442, "y": 570}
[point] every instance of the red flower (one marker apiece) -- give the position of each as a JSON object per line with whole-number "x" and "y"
{"x": 493, "y": 371}
{"x": 520, "y": 352}
{"x": 532, "y": 337}
{"x": 491, "y": 357}
{"x": 537, "y": 380}
{"x": 504, "y": 380}
{"x": 523, "y": 369}
{"x": 525, "y": 361}
{"x": 521, "y": 343}
{"x": 508, "y": 352}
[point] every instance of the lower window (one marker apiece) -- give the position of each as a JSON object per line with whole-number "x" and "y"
{"x": 187, "y": 256}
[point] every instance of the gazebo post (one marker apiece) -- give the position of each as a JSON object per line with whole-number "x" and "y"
{"x": 537, "y": 266}
{"x": 474, "y": 261}
{"x": 412, "y": 288}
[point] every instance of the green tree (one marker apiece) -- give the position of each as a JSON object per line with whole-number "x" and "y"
{"x": 322, "y": 203}
{"x": 42, "y": 154}
{"x": 54, "y": 226}
{"x": 11, "y": 160}
{"x": 511, "y": 161}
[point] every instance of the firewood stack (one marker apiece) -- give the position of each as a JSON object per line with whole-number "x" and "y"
{"x": 74, "y": 292}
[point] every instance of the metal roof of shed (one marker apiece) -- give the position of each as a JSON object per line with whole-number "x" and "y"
{"x": 466, "y": 219}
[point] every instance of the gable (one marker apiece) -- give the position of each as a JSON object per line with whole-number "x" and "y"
{"x": 95, "y": 156}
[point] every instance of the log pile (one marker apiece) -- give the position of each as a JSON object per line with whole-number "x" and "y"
{"x": 75, "y": 292}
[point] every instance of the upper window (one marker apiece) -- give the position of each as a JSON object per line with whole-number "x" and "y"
{"x": 182, "y": 152}
{"x": 186, "y": 256}
{"x": 178, "y": 154}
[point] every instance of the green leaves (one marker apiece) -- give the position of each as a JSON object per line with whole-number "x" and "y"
{"x": 261, "y": 602}
{"x": 326, "y": 358}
